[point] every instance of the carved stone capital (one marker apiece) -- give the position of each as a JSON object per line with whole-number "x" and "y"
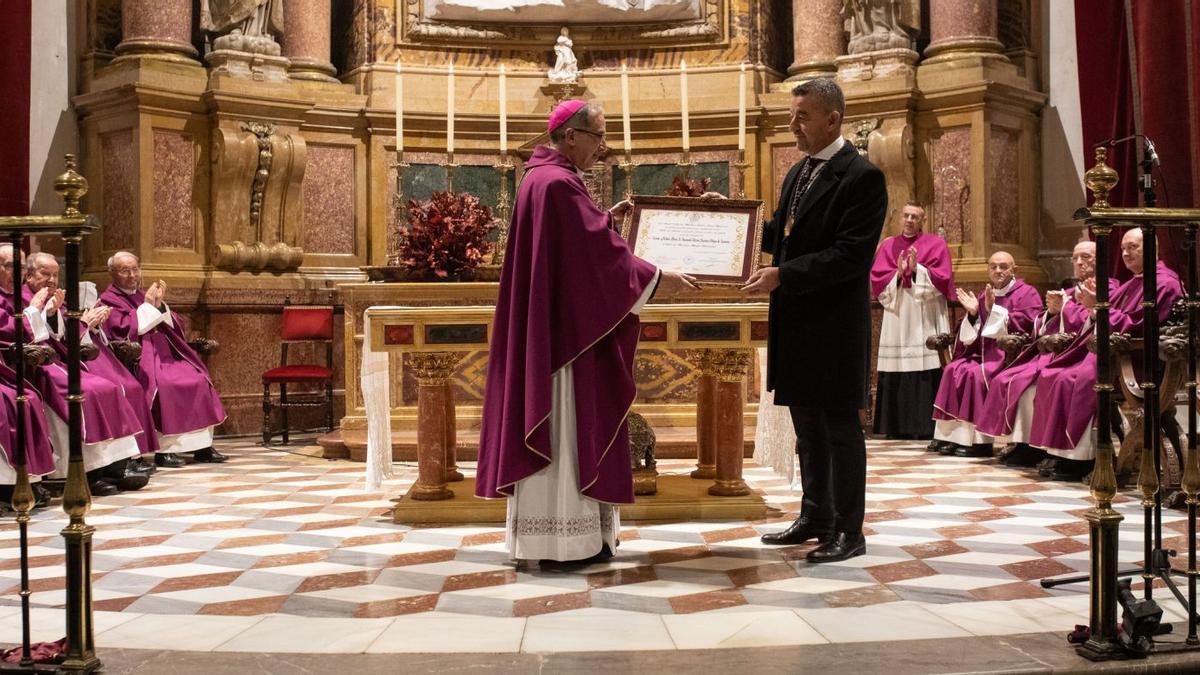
{"x": 729, "y": 365}
{"x": 433, "y": 369}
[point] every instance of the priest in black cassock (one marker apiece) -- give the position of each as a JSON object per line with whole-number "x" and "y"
{"x": 823, "y": 237}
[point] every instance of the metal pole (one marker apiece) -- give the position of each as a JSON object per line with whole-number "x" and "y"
{"x": 1150, "y": 431}
{"x": 22, "y": 498}
{"x": 1191, "y": 472}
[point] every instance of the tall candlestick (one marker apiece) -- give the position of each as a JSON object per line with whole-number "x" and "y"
{"x": 450, "y": 110}
{"x": 625, "y": 109}
{"x": 399, "y": 108}
{"x": 742, "y": 108}
{"x": 503, "y": 110}
{"x": 683, "y": 97}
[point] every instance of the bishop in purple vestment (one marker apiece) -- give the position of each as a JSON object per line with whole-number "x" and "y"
{"x": 1007, "y": 305}
{"x": 560, "y": 364}
{"x": 182, "y": 398}
{"x": 1065, "y": 403}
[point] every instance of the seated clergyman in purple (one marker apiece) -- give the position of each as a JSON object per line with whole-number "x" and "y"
{"x": 1007, "y": 305}
{"x": 39, "y": 455}
{"x": 182, "y": 398}
{"x": 109, "y": 426}
{"x": 1008, "y": 410}
{"x": 560, "y": 366}
{"x": 1065, "y": 403}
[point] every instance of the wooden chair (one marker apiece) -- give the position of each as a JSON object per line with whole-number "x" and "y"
{"x": 300, "y": 324}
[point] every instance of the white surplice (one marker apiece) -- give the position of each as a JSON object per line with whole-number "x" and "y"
{"x": 548, "y": 517}
{"x": 910, "y": 316}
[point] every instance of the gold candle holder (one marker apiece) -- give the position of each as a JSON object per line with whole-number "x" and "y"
{"x": 628, "y": 166}
{"x": 451, "y": 168}
{"x": 686, "y": 165}
{"x": 503, "y": 209}
{"x": 400, "y": 209}
{"x": 741, "y": 165}
{"x": 1101, "y": 179}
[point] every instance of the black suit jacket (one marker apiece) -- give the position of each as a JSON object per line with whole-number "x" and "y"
{"x": 818, "y": 348}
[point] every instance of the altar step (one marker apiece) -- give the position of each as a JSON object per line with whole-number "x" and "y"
{"x": 672, "y": 443}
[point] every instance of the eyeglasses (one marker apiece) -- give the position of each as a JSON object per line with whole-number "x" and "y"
{"x": 597, "y": 134}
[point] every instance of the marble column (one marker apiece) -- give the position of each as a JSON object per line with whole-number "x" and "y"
{"x": 963, "y": 29}
{"x": 817, "y": 38}
{"x": 706, "y": 401}
{"x": 730, "y": 366}
{"x": 306, "y": 39}
{"x": 450, "y": 435}
{"x": 157, "y": 29}
{"x": 432, "y": 371}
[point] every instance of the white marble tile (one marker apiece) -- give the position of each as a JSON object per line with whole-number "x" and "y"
{"x": 954, "y": 582}
{"x": 809, "y": 585}
{"x": 312, "y": 518}
{"x": 717, "y": 563}
{"x": 305, "y": 634}
{"x": 174, "y": 571}
{"x": 349, "y": 531}
{"x": 1004, "y": 617}
{"x": 869, "y": 560}
{"x": 740, "y": 630}
{"x": 523, "y": 591}
{"x": 198, "y": 632}
{"x": 315, "y": 569}
{"x": 1012, "y": 538}
{"x": 549, "y": 633}
{"x": 444, "y": 632}
{"x": 215, "y": 594}
{"x": 661, "y": 588}
{"x": 393, "y": 548}
{"x": 263, "y": 550}
{"x": 138, "y": 552}
{"x": 362, "y": 594}
{"x": 898, "y": 540}
{"x": 46, "y": 624}
{"x": 879, "y": 623}
{"x": 983, "y": 558}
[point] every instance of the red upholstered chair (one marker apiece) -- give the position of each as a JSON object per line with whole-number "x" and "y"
{"x": 300, "y": 324}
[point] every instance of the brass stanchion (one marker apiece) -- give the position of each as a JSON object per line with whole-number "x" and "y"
{"x": 77, "y": 535}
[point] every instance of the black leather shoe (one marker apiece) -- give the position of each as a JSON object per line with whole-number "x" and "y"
{"x": 1071, "y": 470}
{"x": 843, "y": 546}
{"x": 132, "y": 480}
{"x": 208, "y": 455}
{"x": 41, "y": 496}
{"x": 169, "y": 460}
{"x": 934, "y": 445}
{"x": 977, "y": 450}
{"x": 947, "y": 448}
{"x": 140, "y": 465}
{"x": 1023, "y": 455}
{"x": 801, "y": 530}
{"x": 101, "y": 487}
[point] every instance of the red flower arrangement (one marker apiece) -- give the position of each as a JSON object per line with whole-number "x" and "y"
{"x": 446, "y": 236}
{"x": 681, "y": 187}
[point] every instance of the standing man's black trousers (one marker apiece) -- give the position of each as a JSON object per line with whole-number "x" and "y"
{"x": 833, "y": 466}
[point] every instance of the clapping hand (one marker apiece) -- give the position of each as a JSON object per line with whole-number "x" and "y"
{"x": 95, "y": 316}
{"x": 912, "y": 260}
{"x": 56, "y": 301}
{"x": 1085, "y": 293}
{"x": 968, "y": 301}
{"x": 1054, "y": 302}
{"x": 156, "y": 293}
{"x": 989, "y": 297}
{"x": 904, "y": 269}
{"x": 38, "y": 301}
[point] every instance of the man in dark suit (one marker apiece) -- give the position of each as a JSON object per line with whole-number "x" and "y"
{"x": 823, "y": 237}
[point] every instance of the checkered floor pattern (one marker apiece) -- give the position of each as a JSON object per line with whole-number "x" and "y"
{"x": 278, "y": 544}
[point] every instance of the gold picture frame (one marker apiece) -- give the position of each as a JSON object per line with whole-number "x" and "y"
{"x": 717, "y": 241}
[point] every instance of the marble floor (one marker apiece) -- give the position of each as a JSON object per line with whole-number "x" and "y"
{"x": 276, "y": 552}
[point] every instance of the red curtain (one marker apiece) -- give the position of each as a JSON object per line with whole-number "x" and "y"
{"x": 15, "y": 35}
{"x": 1137, "y": 52}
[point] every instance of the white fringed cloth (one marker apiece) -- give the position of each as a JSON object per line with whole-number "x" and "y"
{"x": 375, "y": 381}
{"x": 774, "y": 437}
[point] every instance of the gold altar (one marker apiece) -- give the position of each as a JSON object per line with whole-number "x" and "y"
{"x": 721, "y": 338}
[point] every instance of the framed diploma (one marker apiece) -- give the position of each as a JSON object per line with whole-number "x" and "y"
{"x": 714, "y": 240}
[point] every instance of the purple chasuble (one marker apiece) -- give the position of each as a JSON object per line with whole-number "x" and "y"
{"x": 173, "y": 378}
{"x": 964, "y": 384}
{"x": 566, "y": 291}
{"x": 932, "y": 252}
{"x": 39, "y": 455}
{"x": 1009, "y": 385}
{"x": 106, "y": 414}
{"x": 1065, "y": 403}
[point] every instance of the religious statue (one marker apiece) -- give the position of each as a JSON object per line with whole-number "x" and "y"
{"x": 243, "y": 25}
{"x": 875, "y": 25}
{"x": 565, "y": 70}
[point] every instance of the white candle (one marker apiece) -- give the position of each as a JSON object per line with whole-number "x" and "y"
{"x": 399, "y": 108}
{"x": 450, "y": 110}
{"x": 625, "y": 110}
{"x": 742, "y": 108}
{"x": 683, "y": 97}
{"x": 503, "y": 111}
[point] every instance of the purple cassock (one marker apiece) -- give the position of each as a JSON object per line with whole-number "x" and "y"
{"x": 566, "y": 291}
{"x": 1065, "y": 402}
{"x": 39, "y": 455}
{"x": 106, "y": 413}
{"x": 173, "y": 378}
{"x": 964, "y": 385}
{"x": 932, "y": 253}
{"x": 1009, "y": 385}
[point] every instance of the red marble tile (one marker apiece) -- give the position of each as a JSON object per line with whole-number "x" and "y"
{"x": 760, "y": 573}
{"x": 135, "y": 542}
{"x": 462, "y": 582}
{"x": 933, "y": 549}
{"x": 292, "y": 559}
{"x": 198, "y": 581}
{"x": 909, "y": 569}
{"x": 860, "y": 597}
{"x": 1015, "y": 591}
{"x": 884, "y": 516}
{"x": 384, "y": 608}
{"x": 959, "y": 531}
{"x": 250, "y": 607}
{"x": 621, "y": 577}
{"x": 729, "y": 535}
{"x": 160, "y": 561}
{"x": 906, "y": 503}
{"x": 1038, "y": 569}
{"x": 240, "y": 542}
{"x": 36, "y": 561}
{"x": 344, "y": 580}
{"x": 225, "y": 525}
{"x": 329, "y": 524}
{"x": 986, "y": 515}
{"x": 1057, "y": 547}
{"x": 548, "y": 604}
{"x": 1070, "y": 529}
{"x": 677, "y": 554}
{"x": 484, "y": 538}
{"x": 932, "y": 489}
{"x": 1008, "y": 500}
{"x": 422, "y": 557}
{"x": 703, "y": 602}
{"x": 113, "y": 604}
